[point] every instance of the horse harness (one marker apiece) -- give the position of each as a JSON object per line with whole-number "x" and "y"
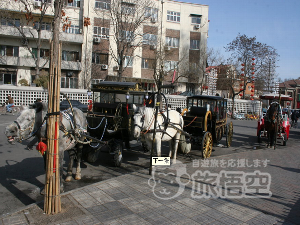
{"x": 22, "y": 131}
{"x": 165, "y": 124}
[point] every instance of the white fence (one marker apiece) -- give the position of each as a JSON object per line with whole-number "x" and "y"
{"x": 175, "y": 101}
{"x": 245, "y": 106}
{"x": 28, "y": 95}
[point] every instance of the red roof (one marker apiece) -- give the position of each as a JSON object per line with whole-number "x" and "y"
{"x": 276, "y": 96}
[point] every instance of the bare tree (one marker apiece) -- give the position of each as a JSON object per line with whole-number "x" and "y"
{"x": 30, "y": 27}
{"x": 126, "y": 20}
{"x": 195, "y": 70}
{"x": 251, "y": 58}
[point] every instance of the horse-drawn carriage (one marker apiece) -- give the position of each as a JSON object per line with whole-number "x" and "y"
{"x": 110, "y": 120}
{"x": 205, "y": 122}
{"x": 273, "y": 123}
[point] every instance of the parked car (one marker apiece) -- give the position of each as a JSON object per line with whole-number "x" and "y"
{"x": 240, "y": 116}
{"x": 65, "y": 105}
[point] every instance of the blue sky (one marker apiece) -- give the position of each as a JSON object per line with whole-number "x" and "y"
{"x": 273, "y": 22}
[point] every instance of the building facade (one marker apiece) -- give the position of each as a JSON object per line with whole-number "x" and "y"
{"x": 291, "y": 88}
{"x": 176, "y": 31}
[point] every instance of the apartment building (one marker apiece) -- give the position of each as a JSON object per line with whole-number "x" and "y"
{"x": 171, "y": 35}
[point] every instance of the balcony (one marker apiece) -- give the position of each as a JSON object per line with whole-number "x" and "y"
{"x": 29, "y": 62}
{"x": 45, "y": 34}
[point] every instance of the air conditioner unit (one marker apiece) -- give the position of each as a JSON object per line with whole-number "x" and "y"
{"x": 116, "y": 68}
{"x": 153, "y": 20}
{"x": 24, "y": 42}
{"x": 152, "y": 47}
{"x": 104, "y": 67}
{"x": 97, "y": 39}
{"x": 37, "y": 4}
{"x": 197, "y": 26}
{"x": 167, "y": 48}
{"x": 69, "y": 74}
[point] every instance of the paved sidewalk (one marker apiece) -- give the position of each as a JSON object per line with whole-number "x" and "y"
{"x": 137, "y": 199}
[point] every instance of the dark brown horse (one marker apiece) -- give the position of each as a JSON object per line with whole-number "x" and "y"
{"x": 271, "y": 123}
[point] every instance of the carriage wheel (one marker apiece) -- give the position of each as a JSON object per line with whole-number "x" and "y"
{"x": 92, "y": 155}
{"x": 117, "y": 149}
{"x": 219, "y": 134}
{"x": 229, "y": 134}
{"x": 206, "y": 145}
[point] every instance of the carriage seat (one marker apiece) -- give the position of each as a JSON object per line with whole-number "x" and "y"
{"x": 198, "y": 111}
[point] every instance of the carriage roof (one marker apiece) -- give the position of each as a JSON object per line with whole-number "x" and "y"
{"x": 118, "y": 87}
{"x": 209, "y": 97}
{"x": 276, "y": 96}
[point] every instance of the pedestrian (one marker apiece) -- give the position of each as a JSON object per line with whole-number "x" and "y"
{"x": 10, "y": 103}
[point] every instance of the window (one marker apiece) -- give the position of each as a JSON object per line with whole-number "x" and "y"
{"x": 7, "y": 78}
{"x": 69, "y": 82}
{"x": 128, "y": 8}
{"x": 99, "y": 58}
{"x": 171, "y": 65}
{"x": 44, "y": 1}
{"x": 102, "y": 32}
{"x": 196, "y": 19}
{"x": 102, "y": 4}
{"x": 149, "y": 39}
{"x": 70, "y": 56}
{"x": 147, "y": 63}
{"x": 74, "y": 3}
{"x": 190, "y": 88}
{"x": 128, "y": 61}
{"x": 96, "y": 81}
{"x": 173, "y": 16}
{"x": 10, "y": 22}
{"x": 195, "y": 44}
{"x": 9, "y": 51}
{"x": 73, "y": 29}
{"x": 151, "y": 12}
{"x": 172, "y": 42}
{"x": 44, "y": 53}
{"x": 126, "y": 35}
{"x": 45, "y": 26}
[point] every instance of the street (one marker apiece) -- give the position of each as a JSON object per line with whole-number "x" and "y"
{"x": 22, "y": 171}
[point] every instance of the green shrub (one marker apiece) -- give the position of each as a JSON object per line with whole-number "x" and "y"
{"x": 23, "y": 82}
{"x": 42, "y": 81}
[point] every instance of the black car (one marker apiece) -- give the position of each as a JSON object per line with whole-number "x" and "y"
{"x": 65, "y": 105}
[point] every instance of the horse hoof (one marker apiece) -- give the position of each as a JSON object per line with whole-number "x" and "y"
{"x": 68, "y": 179}
{"x": 77, "y": 177}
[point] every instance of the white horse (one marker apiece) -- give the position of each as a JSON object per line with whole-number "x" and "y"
{"x": 144, "y": 118}
{"x": 31, "y": 121}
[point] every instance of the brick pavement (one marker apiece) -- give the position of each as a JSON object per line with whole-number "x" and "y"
{"x": 130, "y": 199}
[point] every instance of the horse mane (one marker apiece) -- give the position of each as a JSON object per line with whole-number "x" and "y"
{"x": 26, "y": 113}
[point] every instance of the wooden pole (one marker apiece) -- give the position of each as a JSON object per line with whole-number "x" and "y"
{"x": 52, "y": 203}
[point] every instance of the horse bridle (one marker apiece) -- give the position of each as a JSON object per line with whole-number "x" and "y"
{"x": 142, "y": 120}
{"x": 22, "y": 131}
